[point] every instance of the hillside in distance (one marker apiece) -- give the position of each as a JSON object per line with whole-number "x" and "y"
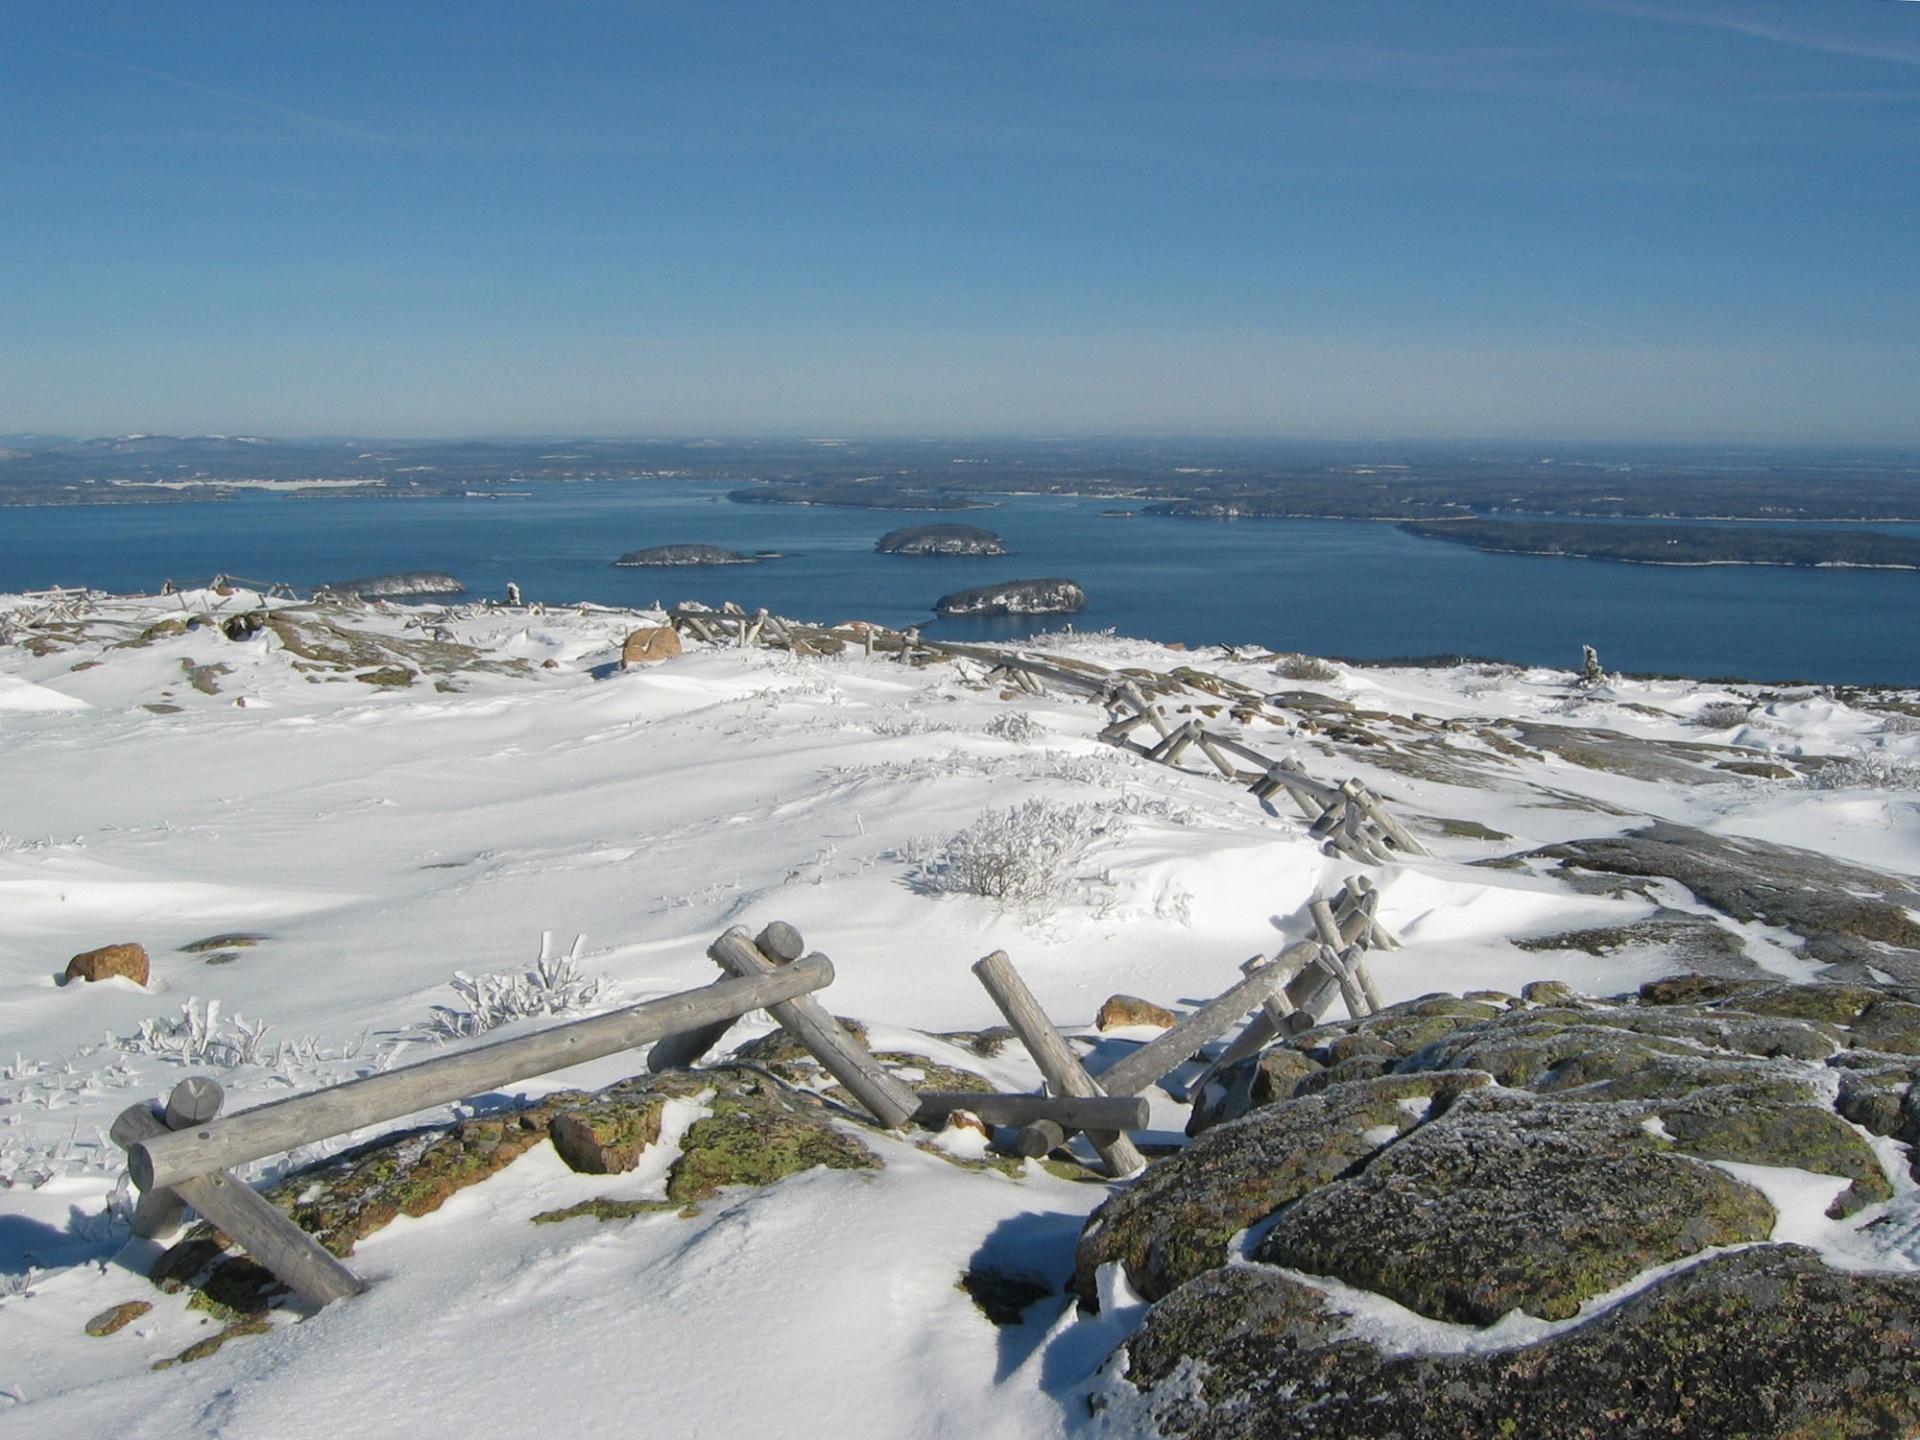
{"x": 1200, "y": 479}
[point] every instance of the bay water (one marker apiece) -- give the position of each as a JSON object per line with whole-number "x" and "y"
{"x": 1355, "y": 589}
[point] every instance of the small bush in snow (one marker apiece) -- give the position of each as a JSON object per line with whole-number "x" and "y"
{"x": 1863, "y": 773}
{"x": 1899, "y": 723}
{"x": 1015, "y": 725}
{"x": 1028, "y": 853}
{"x": 552, "y": 986}
{"x": 199, "y": 1037}
{"x": 1305, "y": 667}
{"x": 1721, "y": 715}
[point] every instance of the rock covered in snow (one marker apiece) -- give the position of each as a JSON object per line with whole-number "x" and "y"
{"x": 1052, "y": 596}
{"x": 940, "y": 540}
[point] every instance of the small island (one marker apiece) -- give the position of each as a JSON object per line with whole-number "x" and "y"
{"x": 404, "y": 582}
{"x": 1680, "y": 544}
{"x": 941, "y": 540}
{"x": 1052, "y": 596}
{"x": 687, "y": 555}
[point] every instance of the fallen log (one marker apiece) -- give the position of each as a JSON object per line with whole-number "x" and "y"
{"x": 1061, "y": 1067}
{"x": 888, "y": 1100}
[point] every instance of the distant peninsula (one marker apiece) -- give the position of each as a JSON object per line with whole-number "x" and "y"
{"x": 941, "y": 540}
{"x": 688, "y": 555}
{"x": 857, "y": 496}
{"x": 1680, "y": 544}
{"x": 1052, "y": 596}
{"x": 405, "y": 582}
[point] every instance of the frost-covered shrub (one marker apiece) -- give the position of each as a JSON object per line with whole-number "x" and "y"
{"x": 551, "y": 986}
{"x": 1027, "y": 854}
{"x": 1864, "y": 772}
{"x": 1897, "y": 722}
{"x": 1721, "y": 714}
{"x": 1015, "y": 725}
{"x": 200, "y": 1037}
{"x": 1305, "y": 667}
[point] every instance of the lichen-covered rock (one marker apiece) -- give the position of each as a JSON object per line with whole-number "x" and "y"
{"x": 1800, "y": 1137}
{"x": 757, "y": 1135}
{"x": 116, "y": 1319}
{"x": 1176, "y": 1219}
{"x": 1512, "y": 1202}
{"x": 606, "y": 1136}
{"x": 1117, "y": 1012}
{"x": 129, "y": 960}
{"x": 1247, "y": 1085}
{"x": 1767, "y": 1342}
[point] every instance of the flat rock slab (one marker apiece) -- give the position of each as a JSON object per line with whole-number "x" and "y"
{"x": 1846, "y": 915}
{"x": 1766, "y": 1342}
{"x": 1176, "y": 1220}
{"x": 1514, "y": 1203}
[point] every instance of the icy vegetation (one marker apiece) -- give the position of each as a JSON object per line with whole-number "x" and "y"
{"x": 317, "y": 813}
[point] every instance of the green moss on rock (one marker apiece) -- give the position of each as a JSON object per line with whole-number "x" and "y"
{"x": 1512, "y": 1203}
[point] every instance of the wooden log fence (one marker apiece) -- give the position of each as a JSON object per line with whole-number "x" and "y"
{"x": 193, "y": 1162}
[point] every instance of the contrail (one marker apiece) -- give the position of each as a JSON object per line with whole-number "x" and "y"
{"x": 320, "y": 120}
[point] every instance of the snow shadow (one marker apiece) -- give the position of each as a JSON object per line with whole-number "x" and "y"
{"x": 1018, "y": 1277}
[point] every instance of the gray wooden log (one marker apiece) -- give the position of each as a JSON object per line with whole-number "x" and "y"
{"x": 886, "y": 1098}
{"x": 1061, "y": 1067}
{"x": 1395, "y": 831}
{"x": 1147, "y": 708}
{"x": 1212, "y": 752}
{"x": 1073, "y": 1112}
{"x": 270, "y": 1236}
{"x": 1335, "y": 962}
{"x": 304, "y": 1119}
{"x": 1357, "y": 963}
{"x": 265, "y": 1232}
{"x": 1121, "y": 728}
{"x": 1269, "y": 1022}
{"x": 1312, "y": 993}
{"x": 159, "y": 1211}
{"x": 678, "y": 1052}
{"x": 1134, "y": 1072}
{"x": 194, "y": 1101}
{"x": 780, "y": 943}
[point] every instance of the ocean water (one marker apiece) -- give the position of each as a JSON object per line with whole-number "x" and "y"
{"x": 1348, "y": 588}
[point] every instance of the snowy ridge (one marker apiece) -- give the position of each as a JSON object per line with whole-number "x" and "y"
{"x": 388, "y": 795}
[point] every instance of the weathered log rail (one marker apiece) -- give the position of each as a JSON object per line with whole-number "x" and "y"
{"x": 188, "y": 1154}
{"x": 1346, "y": 819}
{"x": 184, "y": 1154}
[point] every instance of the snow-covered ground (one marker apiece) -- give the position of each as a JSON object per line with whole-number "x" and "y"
{"x": 420, "y": 791}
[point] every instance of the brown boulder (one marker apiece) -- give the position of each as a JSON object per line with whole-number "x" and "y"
{"x": 129, "y": 960}
{"x": 1122, "y": 1011}
{"x": 653, "y": 642}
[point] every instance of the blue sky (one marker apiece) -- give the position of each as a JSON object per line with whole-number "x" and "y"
{"x": 1660, "y": 219}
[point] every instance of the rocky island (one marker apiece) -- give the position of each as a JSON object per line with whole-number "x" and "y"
{"x": 940, "y": 540}
{"x": 1052, "y": 596}
{"x": 404, "y": 582}
{"x": 687, "y": 555}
